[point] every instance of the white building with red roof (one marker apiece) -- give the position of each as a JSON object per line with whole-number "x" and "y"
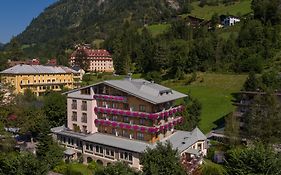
{"x": 94, "y": 60}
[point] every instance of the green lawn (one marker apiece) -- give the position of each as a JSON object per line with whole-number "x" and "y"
{"x": 238, "y": 9}
{"x": 214, "y": 93}
{"x": 157, "y": 29}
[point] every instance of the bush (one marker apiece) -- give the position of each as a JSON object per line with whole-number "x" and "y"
{"x": 61, "y": 168}
{"x": 191, "y": 79}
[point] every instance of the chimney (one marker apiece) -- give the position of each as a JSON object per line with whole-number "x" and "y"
{"x": 129, "y": 77}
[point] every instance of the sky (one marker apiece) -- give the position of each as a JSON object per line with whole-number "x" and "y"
{"x": 16, "y": 15}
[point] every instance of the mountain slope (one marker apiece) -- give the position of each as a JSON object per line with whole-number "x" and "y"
{"x": 89, "y": 19}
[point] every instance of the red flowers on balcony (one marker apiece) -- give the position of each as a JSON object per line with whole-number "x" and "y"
{"x": 138, "y": 127}
{"x": 110, "y": 97}
{"x": 153, "y": 116}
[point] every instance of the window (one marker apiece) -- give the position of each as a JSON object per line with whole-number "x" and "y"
{"x": 86, "y": 91}
{"x": 126, "y": 156}
{"x": 132, "y": 107}
{"x": 104, "y": 116}
{"x": 109, "y": 153}
{"x": 140, "y": 136}
{"x": 113, "y": 131}
{"x": 74, "y": 104}
{"x": 75, "y": 127}
{"x": 84, "y": 106}
{"x": 74, "y": 116}
{"x": 142, "y": 108}
{"x": 104, "y": 104}
{"x": 199, "y": 146}
{"x": 126, "y": 106}
{"x": 126, "y": 119}
{"x": 114, "y": 105}
{"x": 99, "y": 149}
{"x": 84, "y": 117}
{"x": 89, "y": 147}
{"x": 142, "y": 121}
{"x": 115, "y": 118}
{"x": 84, "y": 128}
{"x": 63, "y": 139}
{"x": 109, "y": 105}
{"x": 79, "y": 143}
{"x": 125, "y": 133}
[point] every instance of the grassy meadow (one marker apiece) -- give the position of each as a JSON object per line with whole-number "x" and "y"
{"x": 238, "y": 9}
{"x": 214, "y": 92}
{"x": 157, "y": 29}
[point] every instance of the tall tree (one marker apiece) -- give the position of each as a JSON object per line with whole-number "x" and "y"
{"x": 48, "y": 151}
{"x": 232, "y": 129}
{"x": 263, "y": 121}
{"x": 163, "y": 159}
{"x": 81, "y": 59}
{"x": 55, "y": 108}
{"x": 191, "y": 114}
{"x": 252, "y": 83}
{"x": 258, "y": 159}
{"x": 267, "y": 11}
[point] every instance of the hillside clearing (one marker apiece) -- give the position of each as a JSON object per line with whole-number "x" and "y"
{"x": 238, "y": 9}
{"x": 214, "y": 92}
{"x": 157, "y": 29}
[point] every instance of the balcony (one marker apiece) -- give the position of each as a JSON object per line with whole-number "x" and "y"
{"x": 115, "y": 124}
{"x": 110, "y": 98}
{"x": 152, "y": 116}
{"x": 42, "y": 83}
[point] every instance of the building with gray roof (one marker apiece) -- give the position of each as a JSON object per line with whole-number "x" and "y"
{"x": 39, "y": 78}
{"x": 38, "y": 69}
{"x": 117, "y": 120}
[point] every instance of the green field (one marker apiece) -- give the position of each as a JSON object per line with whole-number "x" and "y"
{"x": 238, "y": 9}
{"x": 157, "y": 29}
{"x": 214, "y": 92}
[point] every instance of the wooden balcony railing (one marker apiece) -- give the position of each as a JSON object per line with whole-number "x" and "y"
{"x": 151, "y": 116}
{"x": 110, "y": 97}
{"x": 155, "y": 129}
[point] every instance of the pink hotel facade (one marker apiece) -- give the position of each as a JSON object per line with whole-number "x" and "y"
{"x": 117, "y": 120}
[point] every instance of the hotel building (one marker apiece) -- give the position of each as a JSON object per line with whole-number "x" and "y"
{"x": 40, "y": 78}
{"x": 94, "y": 60}
{"x": 117, "y": 120}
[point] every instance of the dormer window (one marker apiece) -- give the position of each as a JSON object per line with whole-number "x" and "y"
{"x": 86, "y": 91}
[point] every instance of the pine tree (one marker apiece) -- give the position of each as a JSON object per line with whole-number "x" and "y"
{"x": 263, "y": 121}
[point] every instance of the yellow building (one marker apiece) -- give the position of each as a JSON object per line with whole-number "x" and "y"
{"x": 40, "y": 78}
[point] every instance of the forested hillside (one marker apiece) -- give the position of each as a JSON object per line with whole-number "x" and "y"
{"x": 124, "y": 27}
{"x": 67, "y": 22}
{"x": 92, "y": 18}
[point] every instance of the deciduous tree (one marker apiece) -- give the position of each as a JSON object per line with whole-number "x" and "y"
{"x": 163, "y": 159}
